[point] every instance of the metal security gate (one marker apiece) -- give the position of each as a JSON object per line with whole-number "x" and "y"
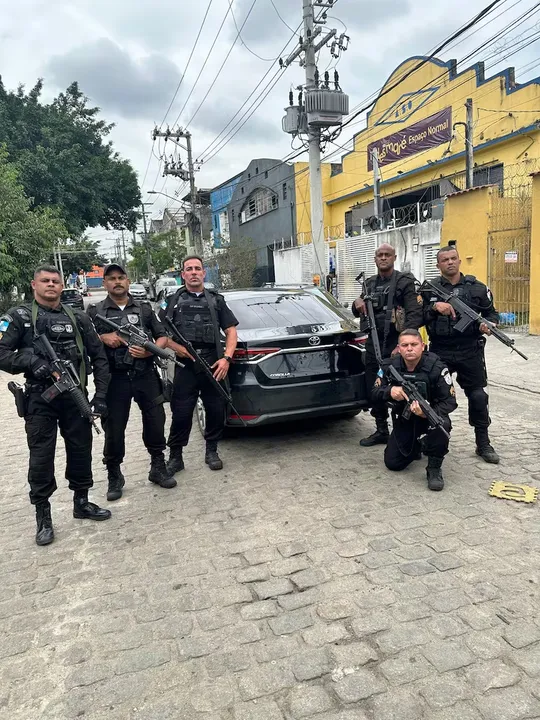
{"x": 509, "y": 248}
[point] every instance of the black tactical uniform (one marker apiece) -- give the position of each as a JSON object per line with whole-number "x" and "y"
{"x": 191, "y": 314}
{"x": 434, "y": 381}
{"x": 18, "y": 354}
{"x": 463, "y": 352}
{"x": 396, "y": 305}
{"x": 132, "y": 379}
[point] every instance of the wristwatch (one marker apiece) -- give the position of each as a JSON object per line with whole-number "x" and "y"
{"x": 228, "y": 358}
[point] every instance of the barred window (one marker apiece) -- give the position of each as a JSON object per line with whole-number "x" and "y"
{"x": 260, "y": 202}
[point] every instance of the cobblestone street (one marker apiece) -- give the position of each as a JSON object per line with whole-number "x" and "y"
{"x": 303, "y": 581}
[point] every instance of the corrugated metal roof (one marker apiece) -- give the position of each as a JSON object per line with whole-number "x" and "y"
{"x": 477, "y": 187}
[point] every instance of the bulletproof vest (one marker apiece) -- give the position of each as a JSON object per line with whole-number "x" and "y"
{"x": 58, "y": 328}
{"x": 421, "y": 376}
{"x": 119, "y": 358}
{"x": 195, "y": 321}
{"x": 443, "y": 325}
{"x": 379, "y": 289}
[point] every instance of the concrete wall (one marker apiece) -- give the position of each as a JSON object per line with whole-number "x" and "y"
{"x": 273, "y": 225}
{"x": 466, "y": 220}
{"x": 534, "y": 310}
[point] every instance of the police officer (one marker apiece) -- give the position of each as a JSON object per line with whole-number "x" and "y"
{"x": 133, "y": 377}
{"x": 434, "y": 381}
{"x": 199, "y": 314}
{"x": 463, "y": 352}
{"x": 396, "y": 305}
{"x": 73, "y": 337}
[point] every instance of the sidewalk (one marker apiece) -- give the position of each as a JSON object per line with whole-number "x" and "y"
{"x": 508, "y": 369}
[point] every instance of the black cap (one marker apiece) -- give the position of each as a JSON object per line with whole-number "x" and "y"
{"x": 113, "y": 266}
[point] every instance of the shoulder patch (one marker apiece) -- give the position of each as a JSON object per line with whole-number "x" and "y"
{"x": 445, "y": 373}
{"x": 4, "y": 324}
{"x": 23, "y": 312}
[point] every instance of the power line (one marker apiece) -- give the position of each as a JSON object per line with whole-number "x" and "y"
{"x": 188, "y": 62}
{"x": 441, "y": 47}
{"x": 203, "y": 65}
{"x": 243, "y": 41}
{"x": 279, "y": 16}
{"x": 223, "y": 63}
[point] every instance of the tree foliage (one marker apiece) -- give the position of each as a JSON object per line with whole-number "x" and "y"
{"x": 27, "y": 235}
{"x": 237, "y": 265}
{"x": 65, "y": 160}
{"x": 167, "y": 250}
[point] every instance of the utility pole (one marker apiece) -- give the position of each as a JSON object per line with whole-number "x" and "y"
{"x": 124, "y": 254}
{"x": 376, "y": 188}
{"x": 319, "y": 108}
{"x": 469, "y": 142}
{"x": 177, "y": 170}
{"x": 315, "y": 178}
{"x": 147, "y": 247}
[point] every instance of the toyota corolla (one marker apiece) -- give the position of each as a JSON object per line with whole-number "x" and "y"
{"x": 300, "y": 355}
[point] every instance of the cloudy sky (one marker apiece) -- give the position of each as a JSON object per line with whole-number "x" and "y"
{"x": 129, "y": 57}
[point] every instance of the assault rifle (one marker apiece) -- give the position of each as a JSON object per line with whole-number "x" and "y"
{"x": 412, "y": 392}
{"x": 469, "y": 316}
{"x": 65, "y": 380}
{"x": 201, "y": 362}
{"x": 136, "y": 337}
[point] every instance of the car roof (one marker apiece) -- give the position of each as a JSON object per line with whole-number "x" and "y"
{"x": 269, "y": 291}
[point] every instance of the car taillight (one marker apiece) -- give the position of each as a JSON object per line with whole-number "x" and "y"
{"x": 358, "y": 340}
{"x": 244, "y": 355}
{"x": 234, "y": 416}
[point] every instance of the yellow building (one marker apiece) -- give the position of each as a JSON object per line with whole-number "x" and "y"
{"x": 418, "y": 127}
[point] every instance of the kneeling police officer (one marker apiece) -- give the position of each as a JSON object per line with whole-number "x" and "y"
{"x": 433, "y": 380}
{"x": 133, "y": 377}
{"x": 73, "y": 338}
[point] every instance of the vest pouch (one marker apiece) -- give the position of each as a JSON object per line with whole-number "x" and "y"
{"x": 443, "y": 325}
{"x": 208, "y": 334}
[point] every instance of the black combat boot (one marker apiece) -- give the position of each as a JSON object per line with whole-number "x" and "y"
{"x": 435, "y": 479}
{"x": 379, "y": 437}
{"x": 484, "y": 448}
{"x": 158, "y": 473}
{"x": 176, "y": 462}
{"x": 116, "y": 482}
{"x": 212, "y": 458}
{"x": 85, "y": 510}
{"x": 45, "y": 530}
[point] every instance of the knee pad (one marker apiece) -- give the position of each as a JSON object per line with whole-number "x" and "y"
{"x": 478, "y": 397}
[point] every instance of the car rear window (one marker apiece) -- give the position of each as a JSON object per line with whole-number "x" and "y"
{"x": 70, "y": 293}
{"x": 281, "y": 311}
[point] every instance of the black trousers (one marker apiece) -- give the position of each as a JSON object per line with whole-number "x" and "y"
{"x": 41, "y": 423}
{"x": 378, "y": 410}
{"x": 188, "y": 385}
{"x": 145, "y": 389}
{"x": 470, "y": 365}
{"x": 404, "y": 441}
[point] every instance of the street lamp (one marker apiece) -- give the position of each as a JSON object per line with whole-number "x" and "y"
{"x": 155, "y": 192}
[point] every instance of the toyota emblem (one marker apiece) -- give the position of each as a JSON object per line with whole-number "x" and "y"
{"x": 315, "y": 340}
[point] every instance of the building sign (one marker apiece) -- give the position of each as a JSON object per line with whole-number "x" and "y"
{"x": 510, "y": 256}
{"x": 428, "y": 133}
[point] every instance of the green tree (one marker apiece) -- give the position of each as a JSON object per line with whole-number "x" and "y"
{"x": 65, "y": 159}
{"x": 237, "y": 265}
{"x": 166, "y": 250}
{"x": 26, "y": 235}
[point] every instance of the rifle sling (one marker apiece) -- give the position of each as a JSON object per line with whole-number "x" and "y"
{"x": 389, "y": 309}
{"x": 78, "y": 338}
